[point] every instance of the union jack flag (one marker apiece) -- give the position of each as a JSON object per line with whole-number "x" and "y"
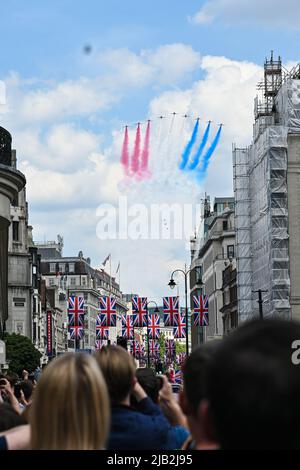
{"x": 153, "y": 326}
{"x": 171, "y": 310}
{"x": 179, "y": 331}
{"x": 139, "y": 311}
{"x": 76, "y": 332}
{"x": 170, "y": 348}
{"x": 108, "y": 312}
{"x": 200, "y": 303}
{"x": 127, "y": 326}
{"x": 76, "y": 311}
{"x": 102, "y": 332}
{"x": 181, "y": 358}
{"x": 178, "y": 377}
{"x": 99, "y": 343}
{"x": 154, "y": 348}
{"x": 76, "y": 317}
{"x": 137, "y": 349}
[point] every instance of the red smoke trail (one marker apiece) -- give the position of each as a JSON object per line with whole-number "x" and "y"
{"x": 145, "y": 153}
{"x": 136, "y": 151}
{"x": 125, "y": 153}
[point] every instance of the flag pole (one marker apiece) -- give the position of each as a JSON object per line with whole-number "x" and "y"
{"x": 110, "y": 274}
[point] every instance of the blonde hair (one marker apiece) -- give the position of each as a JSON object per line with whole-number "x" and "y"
{"x": 118, "y": 368}
{"x": 70, "y": 408}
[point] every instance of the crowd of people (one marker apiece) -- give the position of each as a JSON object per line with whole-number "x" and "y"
{"x": 240, "y": 392}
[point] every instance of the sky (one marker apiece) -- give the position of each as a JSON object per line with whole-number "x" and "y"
{"x": 66, "y": 110}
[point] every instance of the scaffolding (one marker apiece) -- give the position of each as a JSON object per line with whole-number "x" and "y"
{"x": 243, "y": 232}
{"x": 260, "y": 186}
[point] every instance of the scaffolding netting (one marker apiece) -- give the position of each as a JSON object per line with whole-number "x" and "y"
{"x": 261, "y": 208}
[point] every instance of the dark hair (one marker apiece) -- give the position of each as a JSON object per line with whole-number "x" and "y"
{"x": 149, "y": 382}
{"x": 27, "y": 388}
{"x": 195, "y": 373}
{"x": 12, "y": 378}
{"x": 9, "y": 418}
{"x": 254, "y": 388}
{"x": 118, "y": 368}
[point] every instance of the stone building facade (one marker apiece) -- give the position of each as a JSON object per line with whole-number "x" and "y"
{"x": 212, "y": 251}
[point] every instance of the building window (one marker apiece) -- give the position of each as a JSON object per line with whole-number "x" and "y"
{"x": 71, "y": 267}
{"x": 52, "y": 268}
{"x": 61, "y": 267}
{"x": 51, "y": 282}
{"x": 15, "y": 231}
{"x": 83, "y": 281}
{"x": 230, "y": 251}
{"x": 73, "y": 281}
{"x": 225, "y": 225}
{"x": 198, "y": 274}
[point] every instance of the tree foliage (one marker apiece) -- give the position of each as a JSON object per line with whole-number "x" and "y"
{"x": 180, "y": 348}
{"x": 20, "y": 353}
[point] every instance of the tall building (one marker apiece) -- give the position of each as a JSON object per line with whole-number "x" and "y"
{"x": 12, "y": 182}
{"x": 20, "y": 268}
{"x": 74, "y": 276}
{"x": 267, "y": 188}
{"x": 212, "y": 252}
{"x": 22, "y": 264}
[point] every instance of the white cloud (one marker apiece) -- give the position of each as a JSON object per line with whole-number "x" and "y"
{"x": 81, "y": 97}
{"x": 64, "y": 147}
{"x": 86, "y": 187}
{"x": 173, "y": 62}
{"x": 269, "y": 13}
{"x": 167, "y": 64}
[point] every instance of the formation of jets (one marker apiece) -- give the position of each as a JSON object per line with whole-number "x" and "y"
{"x": 173, "y": 114}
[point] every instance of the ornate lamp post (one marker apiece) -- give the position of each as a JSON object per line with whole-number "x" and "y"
{"x": 172, "y": 284}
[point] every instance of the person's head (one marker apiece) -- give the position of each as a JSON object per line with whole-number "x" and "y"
{"x": 70, "y": 410}
{"x": 27, "y": 388}
{"x": 254, "y": 388}
{"x": 9, "y": 418}
{"x": 194, "y": 393}
{"x": 150, "y": 382}
{"x": 118, "y": 368}
{"x": 12, "y": 378}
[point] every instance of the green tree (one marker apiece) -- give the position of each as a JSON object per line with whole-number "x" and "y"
{"x": 162, "y": 350}
{"x": 20, "y": 353}
{"x": 180, "y": 348}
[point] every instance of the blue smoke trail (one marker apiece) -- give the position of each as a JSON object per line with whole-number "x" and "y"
{"x": 201, "y": 172}
{"x": 198, "y": 154}
{"x": 188, "y": 148}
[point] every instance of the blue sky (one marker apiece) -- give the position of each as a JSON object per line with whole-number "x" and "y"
{"x": 46, "y": 38}
{"x": 66, "y": 109}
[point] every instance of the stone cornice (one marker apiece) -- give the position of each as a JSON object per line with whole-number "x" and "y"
{"x": 11, "y": 181}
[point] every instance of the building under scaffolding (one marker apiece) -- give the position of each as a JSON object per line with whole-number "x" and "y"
{"x": 267, "y": 199}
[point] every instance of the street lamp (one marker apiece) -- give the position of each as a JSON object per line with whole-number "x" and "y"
{"x": 172, "y": 284}
{"x": 156, "y": 310}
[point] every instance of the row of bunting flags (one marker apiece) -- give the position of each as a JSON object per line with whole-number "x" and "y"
{"x": 107, "y": 317}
